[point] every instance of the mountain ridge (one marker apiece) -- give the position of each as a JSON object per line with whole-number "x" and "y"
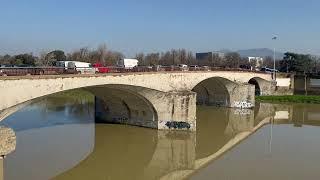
{"x": 260, "y": 52}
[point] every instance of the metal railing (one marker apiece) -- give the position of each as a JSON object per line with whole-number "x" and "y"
{"x": 29, "y": 71}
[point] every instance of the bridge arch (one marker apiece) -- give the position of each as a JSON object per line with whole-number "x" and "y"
{"x": 262, "y": 86}
{"x": 134, "y": 105}
{"x": 257, "y": 90}
{"x": 125, "y": 104}
{"x": 214, "y": 91}
{"x": 116, "y": 103}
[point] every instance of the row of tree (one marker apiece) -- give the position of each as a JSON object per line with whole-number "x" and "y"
{"x": 291, "y": 62}
{"x": 100, "y": 54}
{"x": 300, "y": 63}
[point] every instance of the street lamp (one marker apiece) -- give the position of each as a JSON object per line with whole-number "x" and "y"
{"x": 274, "y": 58}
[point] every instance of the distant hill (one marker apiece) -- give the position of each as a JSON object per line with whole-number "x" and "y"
{"x": 260, "y": 52}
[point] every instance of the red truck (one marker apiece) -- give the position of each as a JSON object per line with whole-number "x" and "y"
{"x": 100, "y": 68}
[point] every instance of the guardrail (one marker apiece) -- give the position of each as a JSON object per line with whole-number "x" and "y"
{"x": 25, "y": 71}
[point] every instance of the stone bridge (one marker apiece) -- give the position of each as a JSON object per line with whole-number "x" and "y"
{"x": 156, "y": 100}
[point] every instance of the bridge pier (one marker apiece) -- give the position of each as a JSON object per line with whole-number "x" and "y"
{"x": 242, "y": 96}
{"x": 7, "y": 146}
{"x": 7, "y": 141}
{"x": 174, "y": 110}
{"x": 1, "y": 169}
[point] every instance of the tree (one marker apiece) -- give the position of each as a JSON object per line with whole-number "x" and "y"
{"x": 268, "y": 62}
{"x": 166, "y": 58}
{"x": 112, "y": 57}
{"x": 140, "y": 58}
{"x": 190, "y": 58}
{"x": 232, "y": 60}
{"x": 56, "y": 55}
{"x": 182, "y": 56}
{"x": 41, "y": 60}
{"x": 82, "y": 55}
{"x": 245, "y": 64}
{"x": 152, "y": 59}
{"x": 102, "y": 52}
{"x": 24, "y": 59}
{"x": 5, "y": 59}
{"x": 293, "y": 62}
{"x": 315, "y": 64}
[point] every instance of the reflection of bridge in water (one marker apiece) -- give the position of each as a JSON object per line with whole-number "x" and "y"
{"x": 162, "y": 154}
{"x": 168, "y": 155}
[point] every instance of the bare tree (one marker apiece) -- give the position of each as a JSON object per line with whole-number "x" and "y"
{"x": 42, "y": 60}
{"x": 141, "y": 59}
{"x": 190, "y": 58}
{"x": 152, "y": 59}
{"x": 166, "y": 58}
{"x": 232, "y": 60}
{"x": 112, "y": 57}
{"x": 268, "y": 62}
{"x": 102, "y": 52}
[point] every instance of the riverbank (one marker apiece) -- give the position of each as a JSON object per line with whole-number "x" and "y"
{"x": 291, "y": 99}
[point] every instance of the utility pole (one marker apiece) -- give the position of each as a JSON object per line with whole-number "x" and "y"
{"x": 274, "y": 59}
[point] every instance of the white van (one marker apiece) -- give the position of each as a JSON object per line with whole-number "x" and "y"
{"x": 81, "y": 67}
{"x": 128, "y": 63}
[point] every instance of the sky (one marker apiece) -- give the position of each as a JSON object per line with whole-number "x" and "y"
{"x": 132, "y": 26}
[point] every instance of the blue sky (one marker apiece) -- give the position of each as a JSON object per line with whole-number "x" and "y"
{"x": 145, "y": 26}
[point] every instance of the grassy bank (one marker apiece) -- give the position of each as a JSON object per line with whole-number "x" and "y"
{"x": 292, "y": 99}
{"x": 76, "y": 94}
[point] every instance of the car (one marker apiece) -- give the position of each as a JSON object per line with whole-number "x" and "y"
{"x": 268, "y": 70}
{"x": 183, "y": 67}
{"x": 205, "y": 68}
{"x": 2, "y": 73}
{"x": 194, "y": 68}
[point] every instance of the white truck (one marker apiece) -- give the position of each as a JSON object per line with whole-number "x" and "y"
{"x": 80, "y": 67}
{"x": 127, "y": 63}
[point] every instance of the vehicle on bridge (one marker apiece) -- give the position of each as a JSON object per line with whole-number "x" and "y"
{"x": 205, "y": 68}
{"x": 183, "y": 67}
{"x": 128, "y": 63}
{"x": 194, "y": 68}
{"x": 268, "y": 70}
{"x": 100, "y": 68}
{"x": 79, "y": 67}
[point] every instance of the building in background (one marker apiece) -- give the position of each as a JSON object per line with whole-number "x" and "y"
{"x": 209, "y": 55}
{"x": 256, "y": 62}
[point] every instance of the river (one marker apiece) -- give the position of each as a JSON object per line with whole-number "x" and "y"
{"x": 56, "y": 138}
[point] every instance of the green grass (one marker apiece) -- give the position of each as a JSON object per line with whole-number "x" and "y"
{"x": 292, "y": 99}
{"x": 77, "y": 94}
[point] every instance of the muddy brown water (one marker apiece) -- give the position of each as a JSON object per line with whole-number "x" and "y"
{"x": 58, "y": 139}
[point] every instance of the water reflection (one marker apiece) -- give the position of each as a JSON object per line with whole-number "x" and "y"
{"x": 286, "y": 148}
{"x": 57, "y": 137}
{"x": 53, "y": 135}
{"x": 135, "y": 153}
